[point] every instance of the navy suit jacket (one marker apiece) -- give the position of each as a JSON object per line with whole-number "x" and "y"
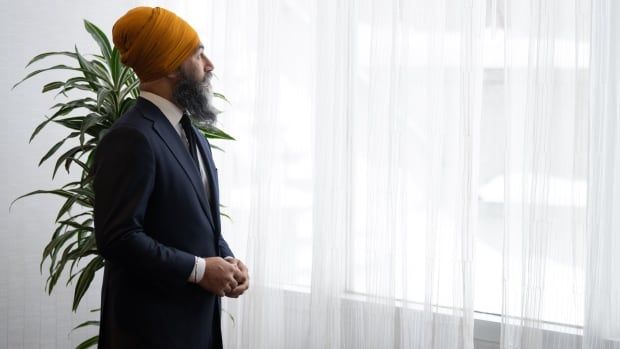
{"x": 152, "y": 216}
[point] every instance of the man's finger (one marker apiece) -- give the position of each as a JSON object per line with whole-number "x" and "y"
{"x": 234, "y": 293}
{"x": 240, "y": 278}
{"x": 241, "y": 288}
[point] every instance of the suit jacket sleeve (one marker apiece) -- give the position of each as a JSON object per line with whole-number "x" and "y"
{"x": 124, "y": 171}
{"x": 225, "y": 251}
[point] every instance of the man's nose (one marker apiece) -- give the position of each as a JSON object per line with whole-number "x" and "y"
{"x": 208, "y": 67}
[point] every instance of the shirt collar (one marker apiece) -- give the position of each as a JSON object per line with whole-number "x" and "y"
{"x": 171, "y": 111}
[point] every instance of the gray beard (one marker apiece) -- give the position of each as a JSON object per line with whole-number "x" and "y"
{"x": 195, "y": 98}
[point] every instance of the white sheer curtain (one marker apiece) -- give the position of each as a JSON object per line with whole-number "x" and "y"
{"x": 384, "y": 147}
{"x": 361, "y": 121}
{"x": 602, "y": 307}
{"x": 546, "y": 133}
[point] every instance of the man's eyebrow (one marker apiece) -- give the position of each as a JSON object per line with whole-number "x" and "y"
{"x": 201, "y": 47}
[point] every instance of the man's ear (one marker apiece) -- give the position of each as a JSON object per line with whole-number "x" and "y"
{"x": 175, "y": 75}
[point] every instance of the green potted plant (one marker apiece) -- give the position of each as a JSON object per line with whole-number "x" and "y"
{"x": 106, "y": 89}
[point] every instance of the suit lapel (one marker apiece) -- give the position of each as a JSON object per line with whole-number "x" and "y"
{"x": 171, "y": 138}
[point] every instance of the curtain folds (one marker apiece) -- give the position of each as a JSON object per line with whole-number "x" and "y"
{"x": 602, "y": 306}
{"x": 403, "y": 167}
{"x": 545, "y": 103}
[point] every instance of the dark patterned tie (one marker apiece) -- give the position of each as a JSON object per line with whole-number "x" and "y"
{"x": 186, "y": 123}
{"x": 192, "y": 139}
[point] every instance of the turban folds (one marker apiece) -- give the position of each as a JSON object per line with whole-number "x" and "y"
{"x": 153, "y": 41}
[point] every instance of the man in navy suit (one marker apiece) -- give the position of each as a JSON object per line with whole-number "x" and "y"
{"x": 157, "y": 219}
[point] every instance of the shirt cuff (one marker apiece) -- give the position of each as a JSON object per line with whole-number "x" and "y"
{"x": 198, "y": 271}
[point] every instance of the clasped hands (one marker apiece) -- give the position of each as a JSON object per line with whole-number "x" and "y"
{"x": 225, "y": 277}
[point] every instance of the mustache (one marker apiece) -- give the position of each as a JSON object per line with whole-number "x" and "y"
{"x": 206, "y": 82}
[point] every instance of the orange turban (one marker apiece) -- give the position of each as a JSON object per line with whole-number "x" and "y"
{"x": 153, "y": 41}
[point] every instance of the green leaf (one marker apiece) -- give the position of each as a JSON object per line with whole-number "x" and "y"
{"x": 77, "y": 82}
{"x": 48, "y": 54}
{"x": 89, "y": 213}
{"x": 74, "y": 123}
{"x": 86, "y": 323}
{"x": 57, "y": 268}
{"x": 90, "y": 342}
{"x": 67, "y": 156}
{"x": 102, "y": 95}
{"x": 125, "y": 105}
{"x": 232, "y": 318}
{"x": 70, "y": 105}
{"x": 39, "y": 128}
{"x": 85, "y": 279}
{"x": 100, "y": 38}
{"x": 52, "y": 86}
{"x": 131, "y": 88}
{"x": 213, "y": 146}
{"x": 77, "y": 226}
{"x": 88, "y": 70}
{"x": 86, "y": 246}
{"x": 88, "y": 122}
{"x": 85, "y": 192}
{"x": 115, "y": 67}
{"x": 126, "y": 77}
{"x": 50, "y": 245}
{"x": 60, "y": 266}
{"x": 66, "y": 207}
{"x": 220, "y": 96}
{"x": 69, "y": 161}
{"x": 54, "y": 149}
{"x": 226, "y": 216}
{"x": 70, "y": 184}
{"x": 102, "y": 72}
{"x": 65, "y": 108}
{"x": 58, "y": 192}
{"x": 36, "y": 72}
{"x": 215, "y": 133}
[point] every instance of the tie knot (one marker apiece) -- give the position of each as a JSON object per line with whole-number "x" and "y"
{"x": 185, "y": 120}
{"x": 186, "y": 123}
